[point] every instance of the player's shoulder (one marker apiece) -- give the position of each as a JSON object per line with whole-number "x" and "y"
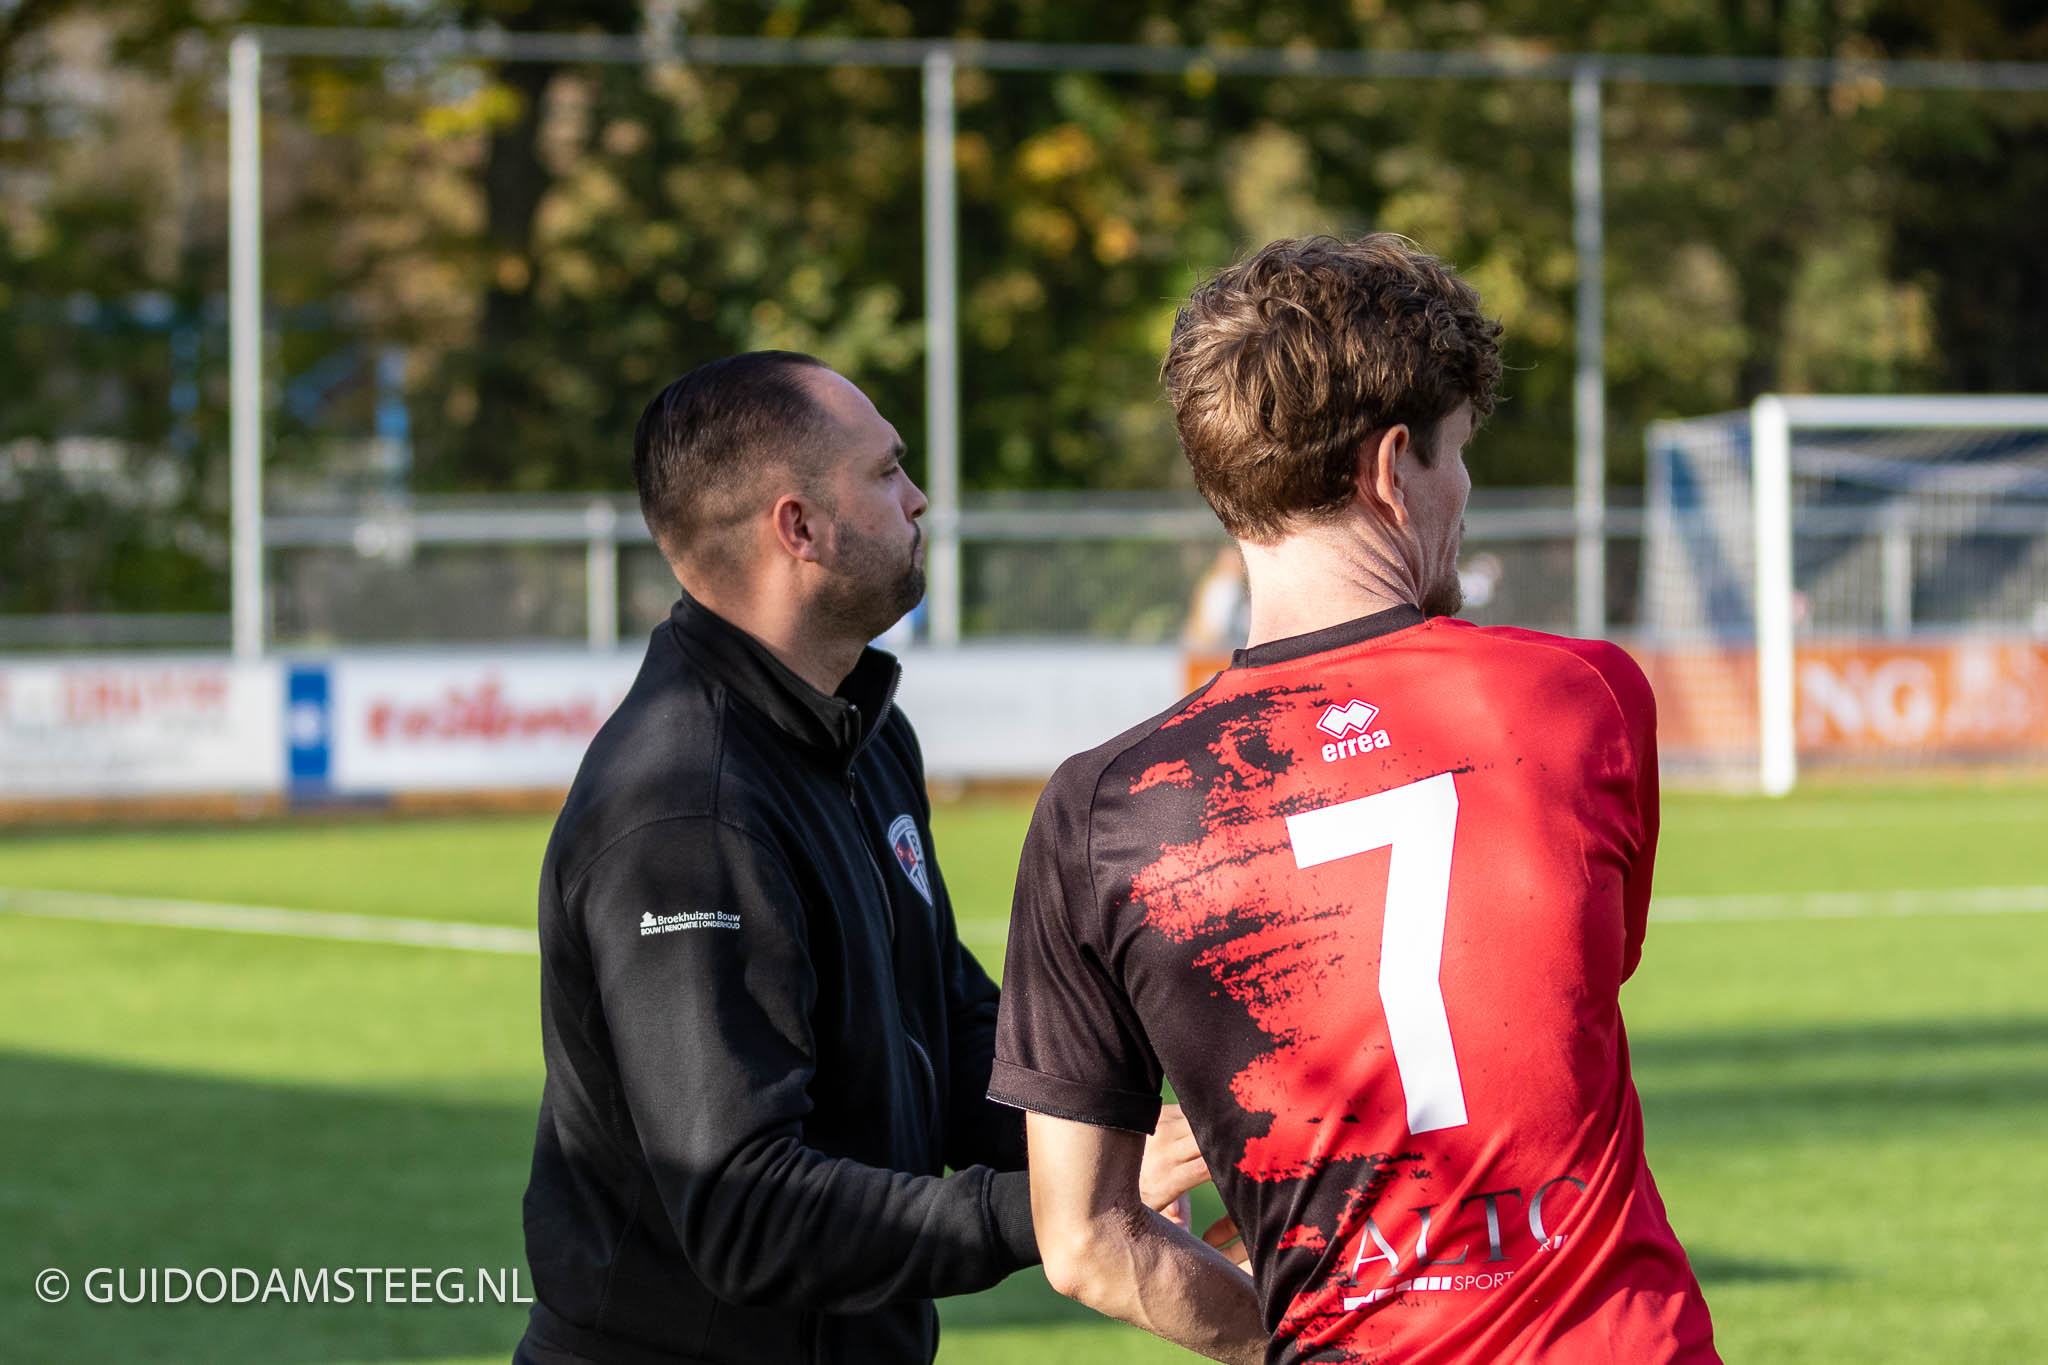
{"x": 1070, "y": 793}
{"x": 1604, "y": 655}
{"x": 1616, "y": 669}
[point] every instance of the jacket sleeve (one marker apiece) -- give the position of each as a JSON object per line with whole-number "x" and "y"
{"x": 697, "y": 936}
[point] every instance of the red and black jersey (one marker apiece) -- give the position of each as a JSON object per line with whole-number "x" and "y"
{"x": 1367, "y": 901}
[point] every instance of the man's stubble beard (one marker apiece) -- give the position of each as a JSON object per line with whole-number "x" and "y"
{"x": 871, "y": 588}
{"x": 1446, "y": 596}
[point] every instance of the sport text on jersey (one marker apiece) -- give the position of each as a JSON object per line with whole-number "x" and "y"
{"x": 1455, "y": 1244}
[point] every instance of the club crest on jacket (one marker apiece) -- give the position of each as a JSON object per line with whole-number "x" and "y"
{"x": 910, "y": 855}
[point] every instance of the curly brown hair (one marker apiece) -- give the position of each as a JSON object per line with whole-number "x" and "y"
{"x": 1282, "y": 365}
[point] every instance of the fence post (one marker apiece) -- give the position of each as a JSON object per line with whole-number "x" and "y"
{"x": 1770, "y": 477}
{"x": 1589, "y": 394}
{"x": 601, "y": 576}
{"x": 1896, "y": 571}
{"x": 245, "y": 342}
{"x": 941, "y": 351}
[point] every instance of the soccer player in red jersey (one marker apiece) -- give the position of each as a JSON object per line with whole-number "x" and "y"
{"x": 1366, "y": 900}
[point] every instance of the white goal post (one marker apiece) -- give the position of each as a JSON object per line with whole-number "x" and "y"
{"x": 1774, "y": 420}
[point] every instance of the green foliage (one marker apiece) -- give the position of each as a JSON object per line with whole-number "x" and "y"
{"x": 67, "y": 549}
{"x": 551, "y": 243}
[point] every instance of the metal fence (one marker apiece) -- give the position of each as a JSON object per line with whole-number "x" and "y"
{"x": 554, "y": 569}
{"x": 939, "y": 62}
{"x": 1067, "y": 566}
{"x": 431, "y": 569}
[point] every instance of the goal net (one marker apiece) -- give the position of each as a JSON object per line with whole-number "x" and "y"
{"x": 1848, "y": 583}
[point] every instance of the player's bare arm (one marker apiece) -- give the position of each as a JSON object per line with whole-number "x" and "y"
{"x": 1104, "y": 1247}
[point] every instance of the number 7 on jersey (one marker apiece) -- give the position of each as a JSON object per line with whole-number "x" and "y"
{"x": 1420, "y": 822}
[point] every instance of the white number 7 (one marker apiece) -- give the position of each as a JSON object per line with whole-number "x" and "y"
{"x": 1420, "y": 821}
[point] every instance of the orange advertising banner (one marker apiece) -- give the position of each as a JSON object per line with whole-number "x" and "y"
{"x": 1966, "y": 695}
{"x": 1976, "y": 697}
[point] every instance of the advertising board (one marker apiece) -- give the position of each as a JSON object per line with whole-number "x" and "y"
{"x": 455, "y": 722}
{"x": 139, "y": 727}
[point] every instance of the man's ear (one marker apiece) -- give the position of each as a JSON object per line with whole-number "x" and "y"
{"x": 1379, "y": 471}
{"x": 798, "y": 527}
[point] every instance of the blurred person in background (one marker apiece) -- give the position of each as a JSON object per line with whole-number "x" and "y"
{"x": 1478, "y": 580}
{"x": 1366, "y": 900}
{"x": 765, "y": 1043}
{"x": 1218, "y": 615}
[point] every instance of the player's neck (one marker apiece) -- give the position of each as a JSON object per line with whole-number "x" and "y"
{"x": 1321, "y": 578}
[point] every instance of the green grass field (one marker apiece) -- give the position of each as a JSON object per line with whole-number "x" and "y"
{"x": 1846, "y": 1109}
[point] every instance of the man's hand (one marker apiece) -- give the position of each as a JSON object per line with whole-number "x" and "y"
{"x": 1173, "y": 1165}
{"x": 1224, "y": 1236}
{"x": 1104, "y": 1247}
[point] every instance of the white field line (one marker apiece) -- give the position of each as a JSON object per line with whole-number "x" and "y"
{"x": 263, "y": 919}
{"x": 1855, "y": 816}
{"x": 498, "y": 938}
{"x": 1978, "y": 900}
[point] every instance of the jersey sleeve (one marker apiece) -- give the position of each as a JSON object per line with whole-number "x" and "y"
{"x": 1068, "y": 1042}
{"x": 1631, "y": 689}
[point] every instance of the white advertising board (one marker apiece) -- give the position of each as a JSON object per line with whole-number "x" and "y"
{"x": 369, "y": 724}
{"x": 453, "y": 722}
{"x": 1019, "y": 710}
{"x": 467, "y": 722}
{"x": 139, "y": 727}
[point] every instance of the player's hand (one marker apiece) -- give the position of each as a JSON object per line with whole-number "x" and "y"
{"x": 1173, "y": 1165}
{"x": 1223, "y": 1235}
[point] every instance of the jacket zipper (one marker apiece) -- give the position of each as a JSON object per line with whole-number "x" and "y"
{"x": 929, "y": 1072}
{"x": 874, "y": 864}
{"x": 881, "y": 878}
{"x": 917, "y": 1049}
{"x": 931, "y": 1079}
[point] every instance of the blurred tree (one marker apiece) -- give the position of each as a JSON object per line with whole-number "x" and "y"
{"x": 510, "y": 347}
{"x": 19, "y": 20}
{"x": 1970, "y": 194}
{"x": 112, "y": 265}
{"x": 550, "y": 243}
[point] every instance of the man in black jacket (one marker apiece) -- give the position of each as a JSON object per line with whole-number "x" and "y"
{"x": 764, "y": 1041}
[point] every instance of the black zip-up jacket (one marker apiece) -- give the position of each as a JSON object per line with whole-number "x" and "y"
{"x": 764, "y": 1040}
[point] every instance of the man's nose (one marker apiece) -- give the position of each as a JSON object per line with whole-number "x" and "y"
{"x": 919, "y": 502}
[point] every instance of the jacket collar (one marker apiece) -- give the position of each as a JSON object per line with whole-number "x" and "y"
{"x": 839, "y": 725}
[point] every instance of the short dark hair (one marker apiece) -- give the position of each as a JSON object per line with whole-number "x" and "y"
{"x": 705, "y": 436}
{"x": 1281, "y": 366}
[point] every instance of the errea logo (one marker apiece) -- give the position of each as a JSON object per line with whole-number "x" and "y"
{"x": 1350, "y": 725}
{"x": 1339, "y": 721}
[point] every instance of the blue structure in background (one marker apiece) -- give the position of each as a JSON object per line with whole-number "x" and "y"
{"x": 309, "y": 730}
{"x": 188, "y": 329}
{"x": 308, "y": 392}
